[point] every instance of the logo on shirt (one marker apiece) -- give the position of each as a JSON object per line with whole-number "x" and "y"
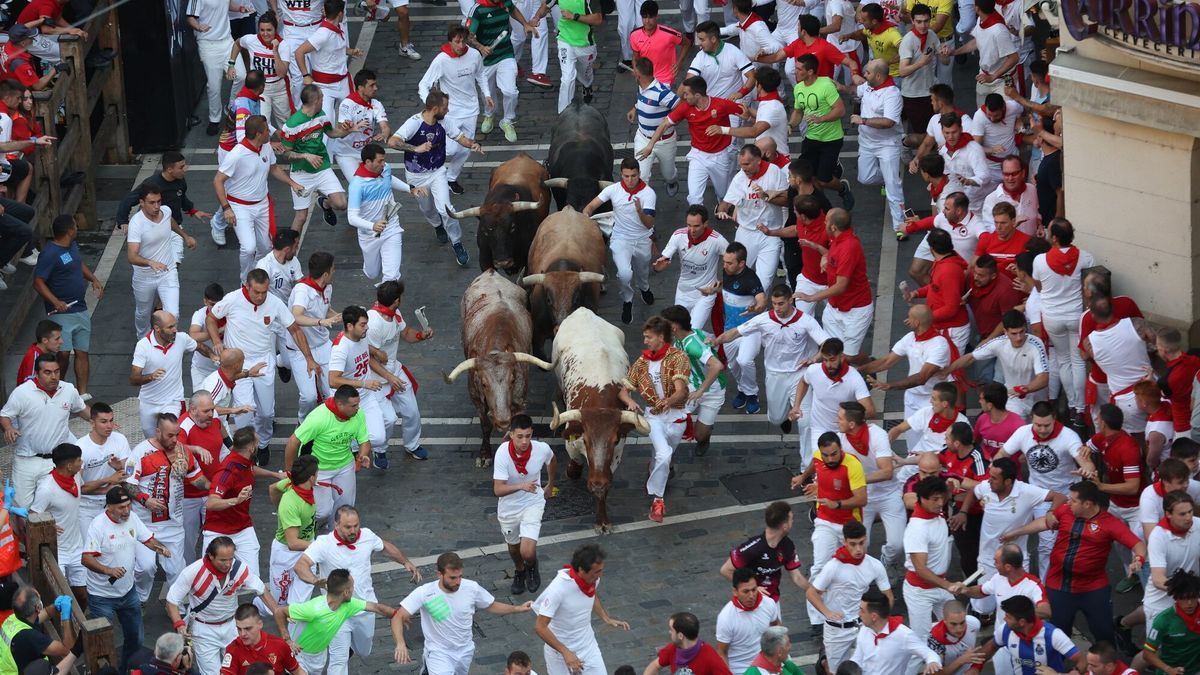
{"x": 267, "y": 320}
{"x": 1042, "y": 458}
{"x": 1094, "y": 527}
{"x": 437, "y": 608}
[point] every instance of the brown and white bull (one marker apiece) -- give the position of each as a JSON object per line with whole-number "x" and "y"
{"x": 590, "y": 361}
{"x": 517, "y": 201}
{"x": 495, "y": 334}
{"x": 566, "y": 269}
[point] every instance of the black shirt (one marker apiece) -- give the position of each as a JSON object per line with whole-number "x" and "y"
{"x": 174, "y": 196}
{"x": 29, "y": 646}
{"x": 1049, "y": 182}
{"x": 768, "y": 563}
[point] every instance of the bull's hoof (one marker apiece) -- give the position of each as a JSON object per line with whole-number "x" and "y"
{"x": 603, "y": 528}
{"x": 483, "y": 462}
{"x": 574, "y": 470}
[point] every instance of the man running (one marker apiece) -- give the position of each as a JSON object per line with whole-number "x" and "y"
{"x": 521, "y": 499}
{"x": 706, "y": 383}
{"x": 564, "y": 616}
{"x": 700, "y": 250}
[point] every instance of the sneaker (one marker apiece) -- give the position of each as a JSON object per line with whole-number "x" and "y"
{"x": 647, "y": 297}
{"x": 587, "y": 95}
{"x": 8, "y": 269}
{"x": 739, "y": 401}
{"x": 420, "y": 453}
{"x": 486, "y": 126}
{"x": 85, "y": 397}
{"x": 786, "y": 426}
{"x": 327, "y": 211}
{"x": 672, "y": 188}
{"x": 218, "y": 236}
{"x": 263, "y": 456}
{"x": 510, "y": 131}
{"x": 30, "y": 259}
{"x": 533, "y": 580}
{"x": 540, "y": 80}
{"x": 408, "y": 51}
{"x": 379, "y": 460}
{"x": 1127, "y": 584}
{"x": 627, "y": 313}
{"x": 518, "y": 584}
{"x": 846, "y": 195}
{"x": 212, "y": 129}
{"x": 752, "y": 406}
{"x": 1123, "y": 637}
{"x": 838, "y": 170}
{"x": 701, "y": 448}
{"x": 460, "y": 254}
{"x": 442, "y": 237}
{"x": 657, "y": 509}
{"x": 627, "y": 66}
{"x": 285, "y": 374}
{"x": 456, "y": 187}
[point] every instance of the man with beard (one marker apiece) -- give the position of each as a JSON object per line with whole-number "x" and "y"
{"x": 687, "y": 652}
{"x": 833, "y": 382}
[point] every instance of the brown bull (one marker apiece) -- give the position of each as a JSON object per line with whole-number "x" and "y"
{"x": 495, "y": 335}
{"x": 566, "y": 268}
{"x": 590, "y": 361}
{"x": 516, "y": 204}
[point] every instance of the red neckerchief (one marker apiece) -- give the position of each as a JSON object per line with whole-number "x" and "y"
{"x": 246, "y": 293}
{"x": 354, "y": 96}
{"x": 325, "y": 23}
{"x": 892, "y": 624}
{"x": 943, "y": 636}
{"x": 757, "y": 601}
{"x": 764, "y": 665}
{"x": 312, "y": 283}
{"x": 922, "y": 37}
{"x": 762, "y": 170}
{"x": 842, "y": 371}
{"x": 256, "y": 149}
{"x": 304, "y": 493}
{"x": 1159, "y": 488}
{"x": 885, "y": 84}
{"x": 520, "y": 462}
{"x": 796, "y": 314}
{"x": 935, "y": 190}
{"x": 749, "y": 21}
{"x": 213, "y": 570}
{"x": 268, "y": 46}
{"x": 920, "y": 512}
{"x": 449, "y": 51}
{"x": 927, "y": 335}
{"x": 843, "y": 555}
{"x": 1053, "y": 433}
{"x": 229, "y": 383}
{"x": 993, "y": 19}
{"x": 1063, "y": 262}
{"x": 154, "y": 343}
{"x": 67, "y": 483}
{"x": 342, "y": 542}
{"x": 769, "y": 96}
{"x": 1192, "y": 621}
{"x": 329, "y": 403}
{"x": 939, "y": 424}
{"x": 1166, "y": 525}
{"x": 364, "y": 172}
{"x": 656, "y": 355}
{"x": 703, "y": 237}
{"x": 636, "y": 188}
{"x": 860, "y": 440}
{"x": 963, "y": 139}
{"x": 384, "y": 311}
{"x": 584, "y": 587}
{"x": 49, "y": 392}
{"x": 1019, "y": 192}
{"x": 883, "y": 26}
{"x": 249, "y": 93}
{"x": 1033, "y": 631}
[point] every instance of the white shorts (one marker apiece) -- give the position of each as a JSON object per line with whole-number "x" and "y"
{"x": 850, "y": 326}
{"x": 1135, "y": 418}
{"x": 808, "y": 287}
{"x": 442, "y": 662}
{"x": 923, "y": 251}
{"x": 709, "y": 405}
{"x": 323, "y": 182}
{"x": 74, "y": 572}
{"x": 525, "y": 525}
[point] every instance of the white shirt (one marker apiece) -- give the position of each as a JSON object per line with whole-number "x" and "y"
{"x": 220, "y": 390}
{"x": 1018, "y": 658}
{"x": 950, "y": 649}
{"x": 934, "y": 128}
{"x": 351, "y": 359}
{"x": 49, "y": 498}
{"x": 827, "y": 395}
{"x": 384, "y": 334}
{"x": 724, "y": 72}
{"x": 699, "y": 265}
{"x": 329, "y": 57}
{"x": 1028, "y": 216}
{"x": 890, "y": 655}
{"x": 249, "y": 327}
{"x": 446, "y": 618}
{"x": 42, "y": 418}
{"x": 213, "y": 13}
{"x": 1171, "y": 553}
{"x": 114, "y": 545}
{"x": 754, "y": 36}
{"x": 1002, "y": 589}
{"x": 990, "y": 134}
{"x": 883, "y": 102}
{"x": 964, "y": 235}
{"x": 969, "y": 161}
{"x": 1002, "y": 515}
{"x": 845, "y": 9}
{"x": 1121, "y": 353}
{"x": 315, "y": 305}
{"x": 196, "y": 583}
{"x": 785, "y": 342}
{"x": 1150, "y": 504}
{"x": 1051, "y": 462}
{"x": 247, "y": 172}
{"x": 932, "y": 537}
{"x": 742, "y": 630}
{"x": 153, "y": 239}
{"x": 627, "y": 222}
{"x": 283, "y": 275}
{"x": 330, "y": 555}
{"x": 95, "y": 463}
{"x": 350, "y": 110}
{"x": 298, "y": 19}
{"x": 878, "y": 446}
{"x": 457, "y": 78}
{"x": 751, "y": 205}
{"x": 262, "y": 56}
{"x": 1062, "y": 295}
{"x": 1018, "y": 364}
{"x": 775, "y": 115}
{"x": 842, "y": 585}
{"x": 995, "y": 43}
{"x": 503, "y": 468}
{"x": 199, "y": 319}
{"x": 151, "y": 356}
{"x": 931, "y": 441}
{"x": 934, "y": 351}
{"x": 570, "y": 612}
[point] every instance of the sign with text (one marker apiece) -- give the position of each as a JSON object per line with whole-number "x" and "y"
{"x": 1162, "y": 27}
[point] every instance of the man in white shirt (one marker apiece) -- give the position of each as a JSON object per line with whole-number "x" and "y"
{"x": 309, "y": 303}
{"x": 204, "y": 362}
{"x": 386, "y": 329}
{"x": 1174, "y": 545}
{"x": 869, "y": 444}
{"x": 1010, "y": 579}
{"x": 1022, "y": 359}
{"x": 57, "y": 495}
{"x": 747, "y": 203}
{"x": 281, "y": 264}
{"x": 927, "y": 556}
{"x": 998, "y": 54}
{"x": 832, "y": 382}
{"x": 209, "y": 21}
{"x": 372, "y": 211}
{"x": 633, "y": 205}
{"x": 360, "y": 106}
{"x": 967, "y": 168}
{"x": 654, "y": 100}
{"x": 742, "y": 620}
{"x": 34, "y": 420}
{"x": 1173, "y": 474}
{"x": 105, "y": 453}
{"x": 517, "y": 483}
{"x": 447, "y": 607}
{"x": 753, "y": 34}
{"x": 728, "y": 73}
{"x": 326, "y": 49}
{"x": 880, "y": 137}
{"x": 1119, "y": 348}
{"x": 884, "y": 645}
{"x": 351, "y": 363}
{"x": 995, "y": 125}
{"x": 963, "y": 226}
{"x": 1058, "y": 276}
{"x": 151, "y": 253}
{"x": 1014, "y": 190}
{"x": 700, "y": 249}
{"x": 350, "y": 546}
{"x": 457, "y": 71}
{"x": 564, "y": 616}
{"x": 157, "y": 370}
{"x": 954, "y": 637}
{"x": 838, "y": 588}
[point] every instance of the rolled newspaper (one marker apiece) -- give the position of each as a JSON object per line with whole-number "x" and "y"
{"x": 420, "y": 314}
{"x": 502, "y": 36}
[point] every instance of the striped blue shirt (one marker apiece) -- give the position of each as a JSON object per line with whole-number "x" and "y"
{"x": 653, "y": 104}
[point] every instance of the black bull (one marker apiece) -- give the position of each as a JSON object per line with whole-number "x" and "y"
{"x": 580, "y": 151}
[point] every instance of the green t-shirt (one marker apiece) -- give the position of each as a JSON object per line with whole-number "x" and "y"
{"x": 487, "y": 23}
{"x": 572, "y": 32}
{"x": 322, "y": 623}
{"x": 693, "y": 345}
{"x": 789, "y": 668}
{"x": 305, "y": 134}
{"x": 818, "y": 99}
{"x": 294, "y": 512}
{"x": 1170, "y": 639}
{"x": 330, "y": 436}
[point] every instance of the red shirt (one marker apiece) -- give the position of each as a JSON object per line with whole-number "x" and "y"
{"x": 1123, "y": 307}
{"x": 1122, "y": 461}
{"x": 48, "y": 9}
{"x": 707, "y": 661}
{"x": 989, "y": 303}
{"x": 947, "y": 284}
{"x": 815, "y": 232}
{"x": 828, "y": 56}
{"x": 233, "y": 473}
{"x": 22, "y": 71}
{"x": 25, "y": 371}
{"x": 717, "y": 113}
{"x": 1081, "y": 550}
{"x": 211, "y": 439}
{"x": 1003, "y": 251}
{"x": 838, "y": 483}
{"x": 270, "y": 649}
{"x": 1181, "y": 371}
{"x": 972, "y": 466}
{"x": 846, "y": 259}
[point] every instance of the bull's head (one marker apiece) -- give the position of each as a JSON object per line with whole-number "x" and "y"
{"x": 562, "y": 291}
{"x": 600, "y": 429}
{"x": 501, "y": 379}
{"x": 497, "y": 229}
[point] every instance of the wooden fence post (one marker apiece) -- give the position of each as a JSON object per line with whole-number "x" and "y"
{"x": 41, "y": 539}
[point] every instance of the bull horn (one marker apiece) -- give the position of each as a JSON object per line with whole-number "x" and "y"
{"x": 459, "y": 370}
{"x": 606, "y": 183}
{"x": 533, "y": 280}
{"x": 469, "y": 213}
{"x": 532, "y": 360}
{"x": 555, "y": 183}
{"x": 638, "y": 422}
{"x": 591, "y": 278}
{"x": 566, "y": 417}
{"x": 525, "y": 206}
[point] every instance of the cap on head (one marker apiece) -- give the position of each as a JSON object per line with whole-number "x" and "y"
{"x": 117, "y": 495}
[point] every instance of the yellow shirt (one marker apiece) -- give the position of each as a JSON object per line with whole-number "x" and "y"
{"x": 938, "y": 7}
{"x": 886, "y": 45}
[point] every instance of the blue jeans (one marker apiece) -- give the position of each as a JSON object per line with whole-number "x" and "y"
{"x": 128, "y": 610}
{"x": 1096, "y": 607}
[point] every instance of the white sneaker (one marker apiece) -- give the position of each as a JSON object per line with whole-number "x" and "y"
{"x": 9, "y": 269}
{"x": 218, "y": 236}
{"x": 407, "y": 50}
{"x": 30, "y": 259}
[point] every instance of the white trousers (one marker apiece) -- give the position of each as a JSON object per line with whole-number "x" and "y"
{"x": 312, "y": 389}
{"x": 170, "y": 535}
{"x": 1045, "y": 541}
{"x": 575, "y": 63}
{"x": 502, "y": 78}
{"x": 762, "y": 253}
{"x": 709, "y": 167}
{"x": 403, "y": 405}
{"x": 287, "y": 49}
{"x": 335, "y": 488}
{"x": 214, "y": 54}
{"x": 456, "y": 154}
{"x": 986, "y": 604}
{"x": 276, "y": 102}
{"x": 665, "y": 431}
{"x": 781, "y": 394}
{"x": 260, "y": 393}
{"x": 826, "y": 538}
{"x": 807, "y": 286}
{"x": 322, "y": 662}
{"x": 538, "y": 46}
{"x": 382, "y": 254}
{"x": 444, "y": 662}
{"x": 850, "y": 327}
{"x": 589, "y": 654}
{"x": 881, "y": 165}
{"x": 379, "y": 419}
{"x": 693, "y": 13}
{"x": 434, "y": 205}
{"x": 1064, "y": 341}
{"x": 923, "y": 604}
{"x": 628, "y": 19}
{"x": 357, "y": 634}
{"x": 148, "y": 414}
{"x": 27, "y": 471}
{"x": 663, "y": 154}
{"x": 246, "y": 547}
{"x": 699, "y": 305}
{"x": 740, "y": 355}
{"x": 253, "y": 228}
{"x": 208, "y": 644}
{"x": 286, "y": 587}
{"x": 146, "y": 286}
{"x": 839, "y": 644}
{"x": 632, "y": 260}
{"x": 193, "y": 523}
{"x": 895, "y": 520}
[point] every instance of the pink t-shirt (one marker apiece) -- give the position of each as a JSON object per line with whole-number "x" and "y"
{"x": 659, "y": 48}
{"x": 991, "y": 436}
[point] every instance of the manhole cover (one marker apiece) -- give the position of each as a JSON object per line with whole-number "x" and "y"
{"x": 573, "y": 501}
{"x": 760, "y": 486}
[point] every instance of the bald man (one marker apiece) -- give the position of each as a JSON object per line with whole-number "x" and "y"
{"x": 928, "y": 465}
{"x": 880, "y": 137}
{"x": 219, "y": 385}
{"x": 157, "y": 369}
{"x": 204, "y": 436}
